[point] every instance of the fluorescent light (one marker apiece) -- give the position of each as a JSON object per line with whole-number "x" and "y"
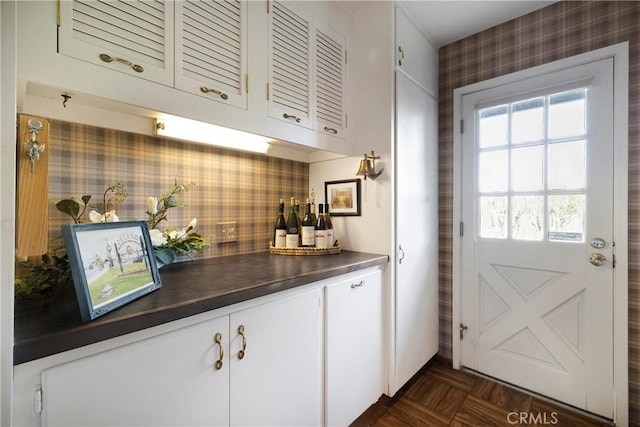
{"x": 206, "y": 133}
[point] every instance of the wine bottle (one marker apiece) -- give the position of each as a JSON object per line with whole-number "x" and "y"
{"x": 314, "y": 218}
{"x": 293, "y": 235}
{"x": 308, "y": 228}
{"x": 280, "y": 235}
{"x": 331, "y": 238}
{"x": 321, "y": 230}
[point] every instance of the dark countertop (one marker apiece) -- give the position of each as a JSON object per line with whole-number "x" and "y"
{"x": 188, "y": 288}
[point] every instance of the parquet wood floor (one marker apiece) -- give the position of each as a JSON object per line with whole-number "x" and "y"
{"x": 441, "y": 396}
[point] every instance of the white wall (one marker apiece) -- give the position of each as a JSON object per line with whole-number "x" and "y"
{"x": 7, "y": 197}
{"x": 371, "y": 128}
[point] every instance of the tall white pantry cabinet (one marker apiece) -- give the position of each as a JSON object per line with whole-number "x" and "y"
{"x": 395, "y": 114}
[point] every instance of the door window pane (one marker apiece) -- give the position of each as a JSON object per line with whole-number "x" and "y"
{"x": 527, "y": 217}
{"x": 567, "y": 114}
{"x": 566, "y": 217}
{"x": 526, "y": 168}
{"x": 494, "y": 123}
{"x": 527, "y": 121}
{"x": 493, "y": 171}
{"x": 493, "y": 217}
{"x": 567, "y": 165}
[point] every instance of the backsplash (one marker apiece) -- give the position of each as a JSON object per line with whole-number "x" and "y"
{"x": 229, "y": 185}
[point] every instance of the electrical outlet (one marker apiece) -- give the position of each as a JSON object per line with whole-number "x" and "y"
{"x": 226, "y": 232}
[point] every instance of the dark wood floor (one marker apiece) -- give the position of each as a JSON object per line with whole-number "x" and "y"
{"x": 441, "y": 396}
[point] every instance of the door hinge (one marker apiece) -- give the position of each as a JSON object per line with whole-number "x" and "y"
{"x": 37, "y": 401}
{"x": 267, "y": 91}
{"x": 267, "y": 6}
{"x": 58, "y": 14}
{"x": 461, "y": 126}
{"x": 345, "y": 56}
{"x": 462, "y": 329}
{"x": 246, "y": 83}
{"x": 461, "y": 228}
{"x": 346, "y": 121}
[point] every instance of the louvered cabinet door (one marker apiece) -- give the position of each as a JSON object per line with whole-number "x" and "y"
{"x": 211, "y": 49}
{"x": 330, "y": 82}
{"x": 133, "y": 37}
{"x": 290, "y": 58}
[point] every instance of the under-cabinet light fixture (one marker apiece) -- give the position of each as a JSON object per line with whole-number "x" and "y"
{"x": 206, "y": 133}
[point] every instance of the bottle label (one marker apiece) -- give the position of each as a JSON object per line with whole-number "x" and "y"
{"x": 292, "y": 240}
{"x": 321, "y": 239}
{"x": 280, "y": 239}
{"x": 308, "y": 235}
{"x": 330, "y": 238}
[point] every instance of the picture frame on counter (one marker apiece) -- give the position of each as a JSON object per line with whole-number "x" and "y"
{"x": 343, "y": 197}
{"x": 112, "y": 264}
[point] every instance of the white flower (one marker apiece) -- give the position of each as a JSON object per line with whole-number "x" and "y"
{"x": 191, "y": 225}
{"x": 107, "y": 217}
{"x": 176, "y": 234}
{"x": 157, "y": 237}
{"x": 152, "y": 205}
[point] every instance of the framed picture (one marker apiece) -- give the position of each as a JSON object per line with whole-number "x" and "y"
{"x": 343, "y": 197}
{"x": 111, "y": 264}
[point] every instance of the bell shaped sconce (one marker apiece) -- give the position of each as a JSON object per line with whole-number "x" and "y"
{"x": 368, "y": 166}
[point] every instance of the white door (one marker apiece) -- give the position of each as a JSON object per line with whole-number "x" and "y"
{"x": 417, "y": 229}
{"x": 537, "y": 261}
{"x": 278, "y": 379}
{"x": 171, "y": 379}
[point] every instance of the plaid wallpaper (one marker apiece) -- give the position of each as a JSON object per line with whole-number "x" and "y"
{"x": 561, "y": 30}
{"x": 230, "y": 185}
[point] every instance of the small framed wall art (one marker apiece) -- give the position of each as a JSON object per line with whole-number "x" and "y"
{"x": 343, "y": 197}
{"x": 112, "y": 264}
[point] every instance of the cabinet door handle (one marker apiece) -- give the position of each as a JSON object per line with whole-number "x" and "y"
{"x": 332, "y": 130}
{"x": 289, "y": 116}
{"x": 244, "y": 342}
{"x": 218, "y": 340}
{"x": 222, "y": 95}
{"x": 107, "y": 58}
{"x": 357, "y": 285}
{"x": 401, "y": 55}
{"x": 400, "y": 252}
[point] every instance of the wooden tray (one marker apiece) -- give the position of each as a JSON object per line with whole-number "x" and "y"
{"x": 304, "y": 251}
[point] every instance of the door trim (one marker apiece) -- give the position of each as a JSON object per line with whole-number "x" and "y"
{"x": 620, "y": 55}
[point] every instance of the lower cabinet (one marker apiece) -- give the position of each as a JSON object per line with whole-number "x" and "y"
{"x": 354, "y": 347}
{"x": 270, "y": 374}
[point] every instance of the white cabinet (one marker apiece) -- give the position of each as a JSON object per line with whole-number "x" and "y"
{"x": 414, "y": 55}
{"x": 133, "y": 37}
{"x": 170, "y": 379}
{"x": 417, "y": 237}
{"x": 173, "y": 378}
{"x": 354, "y": 347}
{"x": 211, "y": 49}
{"x": 307, "y": 68}
{"x": 278, "y": 382}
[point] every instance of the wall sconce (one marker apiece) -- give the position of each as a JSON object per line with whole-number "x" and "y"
{"x": 368, "y": 166}
{"x": 206, "y": 133}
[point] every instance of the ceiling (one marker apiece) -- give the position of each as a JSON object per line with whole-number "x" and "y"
{"x": 445, "y": 21}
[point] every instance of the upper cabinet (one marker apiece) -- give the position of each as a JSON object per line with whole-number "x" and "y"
{"x": 276, "y": 69}
{"x": 131, "y": 37}
{"x": 414, "y": 54}
{"x": 307, "y": 68}
{"x": 211, "y": 49}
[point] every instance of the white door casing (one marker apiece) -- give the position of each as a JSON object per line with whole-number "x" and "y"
{"x": 544, "y": 317}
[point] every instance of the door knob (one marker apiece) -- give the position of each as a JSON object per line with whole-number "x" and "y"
{"x": 597, "y": 259}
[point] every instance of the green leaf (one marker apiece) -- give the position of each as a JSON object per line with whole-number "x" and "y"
{"x": 86, "y": 198}
{"x": 69, "y": 206}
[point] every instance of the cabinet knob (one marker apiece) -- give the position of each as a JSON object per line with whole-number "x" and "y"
{"x": 107, "y": 58}
{"x": 222, "y": 95}
{"x": 400, "y": 55}
{"x": 332, "y": 130}
{"x": 218, "y": 340}
{"x": 400, "y": 254}
{"x": 244, "y": 342}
